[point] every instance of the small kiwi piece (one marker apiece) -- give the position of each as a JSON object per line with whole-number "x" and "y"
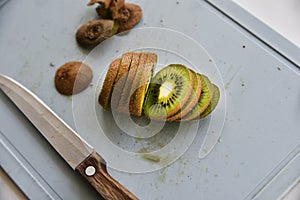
{"x": 213, "y": 103}
{"x": 115, "y": 6}
{"x": 109, "y": 9}
{"x": 128, "y": 16}
{"x": 123, "y": 106}
{"x": 94, "y": 32}
{"x": 193, "y": 100}
{"x": 121, "y": 79}
{"x": 103, "y": 12}
{"x": 169, "y": 90}
{"x": 108, "y": 84}
{"x": 138, "y": 97}
{"x": 203, "y": 101}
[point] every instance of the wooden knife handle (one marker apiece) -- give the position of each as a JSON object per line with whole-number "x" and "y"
{"x": 93, "y": 169}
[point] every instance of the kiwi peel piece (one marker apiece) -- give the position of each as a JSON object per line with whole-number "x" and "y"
{"x": 128, "y": 16}
{"x": 96, "y": 31}
{"x": 169, "y": 90}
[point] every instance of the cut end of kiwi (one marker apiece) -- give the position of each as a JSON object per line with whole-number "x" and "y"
{"x": 168, "y": 92}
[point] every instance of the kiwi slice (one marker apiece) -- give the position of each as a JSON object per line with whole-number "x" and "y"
{"x": 192, "y": 101}
{"x": 135, "y": 84}
{"x": 213, "y": 103}
{"x": 107, "y": 86}
{"x": 125, "y": 97}
{"x": 169, "y": 90}
{"x": 139, "y": 94}
{"x": 203, "y": 101}
{"x": 121, "y": 79}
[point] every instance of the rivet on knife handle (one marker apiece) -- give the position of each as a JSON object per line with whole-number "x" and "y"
{"x": 93, "y": 169}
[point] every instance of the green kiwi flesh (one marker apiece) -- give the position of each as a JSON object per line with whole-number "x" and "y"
{"x": 203, "y": 101}
{"x": 213, "y": 103}
{"x": 192, "y": 101}
{"x": 169, "y": 90}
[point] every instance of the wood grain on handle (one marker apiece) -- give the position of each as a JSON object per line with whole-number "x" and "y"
{"x": 99, "y": 178}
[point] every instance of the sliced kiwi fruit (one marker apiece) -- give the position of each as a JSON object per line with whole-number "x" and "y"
{"x": 175, "y": 93}
{"x": 107, "y": 86}
{"x": 125, "y": 97}
{"x": 213, "y": 103}
{"x": 139, "y": 94}
{"x": 121, "y": 79}
{"x": 192, "y": 101}
{"x": 203, "y": 101}
{"x": 169, "y": 90}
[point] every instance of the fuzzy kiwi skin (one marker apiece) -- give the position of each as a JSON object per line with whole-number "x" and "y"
{"x": 120, "y": 80}
{"x": 108, "y": 84}
{"x": 138, "y": 97}
{"x": 94, "y": 32}
{"x": 128, "y": 16}
{"x": 136, "y": 90}
{"x": 123, "y": 106}
{"x": 72, "y": 77}
{"x": 160, "y": 109}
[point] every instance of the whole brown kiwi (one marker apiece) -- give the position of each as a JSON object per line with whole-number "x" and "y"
{"x": 72, "y": 77}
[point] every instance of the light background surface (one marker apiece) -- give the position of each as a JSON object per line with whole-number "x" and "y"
{"x": 281, "y": 15}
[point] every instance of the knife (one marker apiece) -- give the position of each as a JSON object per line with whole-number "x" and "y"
{"x": 72, "y": 148}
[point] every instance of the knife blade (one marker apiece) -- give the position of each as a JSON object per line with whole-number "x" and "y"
{"x": 70, "y": 146}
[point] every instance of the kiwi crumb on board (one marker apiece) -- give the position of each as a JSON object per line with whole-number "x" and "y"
{"x": 115, "y": 16}
{"x": 175, "y": 93}
{"x": 72, "y": 77}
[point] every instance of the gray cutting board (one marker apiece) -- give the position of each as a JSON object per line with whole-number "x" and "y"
{"x": 261, "y": 133}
